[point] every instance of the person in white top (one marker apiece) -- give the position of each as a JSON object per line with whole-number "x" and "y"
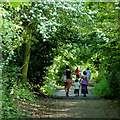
{"x": 77, "y": 87}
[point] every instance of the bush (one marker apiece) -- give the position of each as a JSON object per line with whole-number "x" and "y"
{"x": 108, "y": 82}
{"x": 103, "y": 86}
{"x": 50, "y": 83}
{"x": 114, "y": 80}
{"x": 11, "y": 95}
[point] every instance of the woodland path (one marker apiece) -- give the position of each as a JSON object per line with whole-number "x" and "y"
{"x": 60, "y": 106}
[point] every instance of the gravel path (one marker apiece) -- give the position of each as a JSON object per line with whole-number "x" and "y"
{"x": 61, "y": 94}
{"x": 60, "y": 106}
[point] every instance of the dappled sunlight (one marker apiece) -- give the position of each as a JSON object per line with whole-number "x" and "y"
{"x": 56, "y": 115}
{"x": 77, "y": 108}
{"x": 69, "y": 103}
{"x": 44, "y": 111}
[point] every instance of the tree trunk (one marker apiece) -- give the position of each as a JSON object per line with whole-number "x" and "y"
{"x": 26, "y": 58}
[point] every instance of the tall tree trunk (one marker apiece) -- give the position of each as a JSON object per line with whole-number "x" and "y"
{"x": 26, "y": 58}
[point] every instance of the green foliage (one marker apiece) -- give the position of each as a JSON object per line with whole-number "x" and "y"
{"x": 102, "y": 86}
{"x": 41, "y": 55}
{"x": 108, "y": 83}
{"x": 64, "y": 33}
{"x": 18, "y": 3}
{"x": 50, "y": 83}
{"x": 114, "y": 80}
{"x": 12, "y": 95}
{"x": 22, "y": 92}
{"x": 12, "y": 92}
{"x": 9, "y": 109}
{"x": 45, "y": 39}
{"x": 108, "y": 54}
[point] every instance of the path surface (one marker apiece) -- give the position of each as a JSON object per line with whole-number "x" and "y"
{"x": 61, "y": 106}
{"x": 62, "y": 93}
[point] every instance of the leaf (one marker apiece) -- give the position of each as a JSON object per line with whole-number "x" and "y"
{"x": 18, "y": 2}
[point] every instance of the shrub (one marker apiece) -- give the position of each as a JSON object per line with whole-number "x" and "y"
{"x": 102, "y": 87}
{"x": 11, "y": 95}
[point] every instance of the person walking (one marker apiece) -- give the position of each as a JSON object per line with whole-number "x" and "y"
{"x": 88, "y": 73}
{"x": 68, "y": 82}
{"x": 81, "y": 73}
{"x": 77, "y": 87}
{"x": 84, "y": 83}
{"x": 77, "y": 73}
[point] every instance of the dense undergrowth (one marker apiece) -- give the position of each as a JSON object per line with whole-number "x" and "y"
{"x": 11, "y": 95}
{"x": 108, "y": 82}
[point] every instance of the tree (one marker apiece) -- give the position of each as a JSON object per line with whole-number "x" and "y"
{"x": 71, "y": 31}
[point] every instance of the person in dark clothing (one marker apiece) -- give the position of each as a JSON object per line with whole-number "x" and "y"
{"x": 68, "y": 80}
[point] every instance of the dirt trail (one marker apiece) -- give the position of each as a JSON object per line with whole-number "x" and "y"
{"x": 61, "y": 106}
